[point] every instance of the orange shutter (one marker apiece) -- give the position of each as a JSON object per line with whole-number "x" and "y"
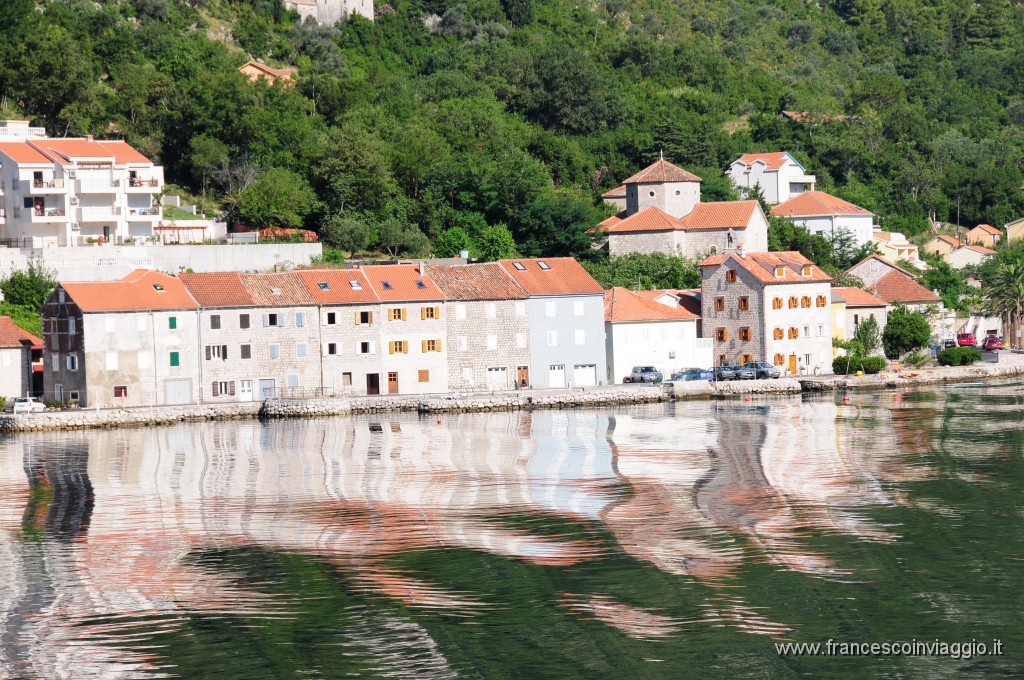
{"x": 424, "y": 350}
{"x": 423, "y": 313}
{"x": 391, "y": 347}
{"x": 439, "y": 345}
{"x": 357, "y": 318}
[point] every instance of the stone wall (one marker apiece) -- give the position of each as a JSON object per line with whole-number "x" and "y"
{"x": 642, "y": 242}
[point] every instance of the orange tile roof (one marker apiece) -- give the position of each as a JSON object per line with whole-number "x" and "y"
{"x": 879, "y": 258}
{"x": 476, "y": 282}
{"x": 720, "y": 215}
{"x": 988, "y": 229}
{"x": 617, "y": 192}
{"x": 855, "y": 297}
{"x": 817, "y": 203}
{"x": 136, "y": 292}
{"x": 946, "y": 239}
{"x": 648, "y": 219}
{"x": 564, "y": 276}
{"x": 404, "y": 283}
{"x": 217, "y": 289}
{"x": 340, "y": 290}
{"x": 285, "y": 73}
{"x": 124, "y": 153}
{"x": 67, "y": 150}
{"x": 690, "y": 300}
{"x": 11, "y": 336}
{"x": 22, "y": 153}
{"x": 662, "y": 171}
{"x": 981, "y": 249}
{"x": 773, "y": 161}
{"x": 897, "y": 286}
{"x": 607, "y": 223}
{"x": 622, "y": 304}
{"x": 762, "y": 266}
{"x": 277, "y": 289}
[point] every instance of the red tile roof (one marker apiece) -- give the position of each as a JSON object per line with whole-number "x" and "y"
{"x": 403, "y": 283}
{"x": 66, "y": 150}
{"x": 339, "y": 290}
{"x": 564, "y": 276}
{"x": 476, "y": 282}
{"x": 763, "y": 265}
{"x": 217, "y": 289}
{"x": 648, "y": 219}
{"x": 946, "y": 239}
{"x": 988, "y": 229}
{"x": 855, "y": 297}
{"x": 277, "y": 289}
{"x": 617, "y": 192}
{"x": 662, "y": 171}
{"x": 22, "y": 153}
{"x": 817, "y": 203}
{"x": 981, "y": 249}
{"x": 689, "y": 300}
{"x": 607, "y": 223}
{"x": 897, "y": 286}
{"x": 136, "y": 292}
{"x": 720, "y": 215}
{"x": 622, "y": 304}
{"x": 773, "y": 161}
{"x": 285, "y": 73}
{"x": 11, "y": 336}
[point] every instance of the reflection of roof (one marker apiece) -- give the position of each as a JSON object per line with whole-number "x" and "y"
{"x": 772, "y": 161}
{"x": 899, "y": 287}
{"x": 141, "y": 290}
{"x": 817, "y": 203}
{"x": 662, "y": 171}
{"x": 476, "y": 282}
{"x": 617, "y": 192}
{"x": 855, "y": 297}
{"x": 621, "y": 304}
{"x": 562, "y": 276}
{"x": 763, "y": 266}
{"x": 11, "y": 336}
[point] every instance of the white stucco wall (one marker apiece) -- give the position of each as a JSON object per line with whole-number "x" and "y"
{"x": 860, "y": 226}
{"x": 667, "y": 345}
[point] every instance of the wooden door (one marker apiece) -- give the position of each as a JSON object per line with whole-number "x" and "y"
{"x": 792, "y": 364}
{"x": 523, "y": 376}
{"x": 392, "y": 383}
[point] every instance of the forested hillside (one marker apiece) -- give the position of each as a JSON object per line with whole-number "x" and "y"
{"x": 445, "y": 121}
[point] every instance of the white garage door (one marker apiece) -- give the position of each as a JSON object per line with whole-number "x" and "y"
{"x": 584, "y": 375}
{"x": 178, "y": 391}
{"x": 556, "y": 375}
{"x": 497, "y": 378}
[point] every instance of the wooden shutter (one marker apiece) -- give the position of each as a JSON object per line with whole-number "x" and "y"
{"x": 231, "y": 388}
{"x": 224, "y": 352}
{"x": 437, "y": 312}
{"x": 391, "y": 347}
{"x": 216, "y": 389}
{"x": 371, "y": 318}
{"x": 405, "y": 345}
{"x": 439, "y": 345}
{"x": 208, "y": 353}
{"x": 357, "y": 317}
{"x": 423, "y": 313}
{"x": 403, "y": 313}
{"x": 424, "y": 341}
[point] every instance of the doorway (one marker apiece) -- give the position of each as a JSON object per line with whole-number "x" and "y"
{"x": 245, "y": 390}
{"x": 393, "y": 383}
{"x": 373, "y": 383}
{"x": 523, "y": 376}
{"x": 268, "y": 389}
{"x": 792, "y": 364}
{"x": 556, "y": 375}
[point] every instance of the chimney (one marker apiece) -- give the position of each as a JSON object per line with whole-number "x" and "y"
{"x": 423, "y": 270}
{"x": 742, "y": 251}
{"x": 88, "y": 138}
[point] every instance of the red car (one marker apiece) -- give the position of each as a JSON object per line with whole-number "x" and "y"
{"x": 965, "y": 339}
{"x": 992, "y": 343}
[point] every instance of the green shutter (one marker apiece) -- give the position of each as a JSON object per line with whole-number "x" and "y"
{"x": 172, "y": 323}
{"x": 174, "y": 359}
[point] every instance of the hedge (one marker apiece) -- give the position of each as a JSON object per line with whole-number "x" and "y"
{"x": 958, "y": 356}
{"x": 869, "y": 365}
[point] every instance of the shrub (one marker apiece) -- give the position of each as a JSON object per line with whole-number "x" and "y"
{"x": 917, "y": 359}
{"x": 958, "y": 356}
{"x": 870, "y": 365}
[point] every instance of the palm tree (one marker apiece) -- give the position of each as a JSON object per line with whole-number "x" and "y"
{"x": 1005, "y": 297}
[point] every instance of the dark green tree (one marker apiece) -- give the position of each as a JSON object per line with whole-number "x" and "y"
{"x": 905, "y": 331}
{"x": 29, "y": 287}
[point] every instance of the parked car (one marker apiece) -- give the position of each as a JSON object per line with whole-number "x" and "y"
{"x": 946, "y": 344}
{"x": 965, "y": 339}
{"x": 647, "y": 374}
{"x": 27, "y": 405}
{"x": 744, "y": 373}
{"x": 692, "y": 374}
{"x": 724, "y": 373}
{"x": 993, "y": 343}
{"x": 762, "y": 369}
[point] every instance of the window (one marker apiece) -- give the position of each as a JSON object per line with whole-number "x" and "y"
{"x": 577, "y": 308}
{"x": 549, "y": 308}
{"x": 467, "y": 375}
{"x": 807, "y": 360}
{"x": 777, "y": 303}
{"x": 719, "y": 304}
{"x": 552, "y": 338}
{"x": 745, "y": 335}
{"x": 73, "y": 394}
{"x": 780, "y": 359}
{"x": 55, "y": 362}
{"x": 323, "y": 285}
{"x": 746, "y": 358}
{"x": 175, "y": 360}
{"x": 386, "y": 284}
{"x": 856, "y": 319}
{"x": 293, "y": 381}
{"x": 420, "y": 284}
{"x": 492, "y": 342}
{"x": 158, "y": 288}
{"x": 721, "y": 360}
{"x": 275, "y": 351}
{"x": 366, "y": 348}
{"x": 60, "y": 293}
{"x": 243, "y": 320}
{"x": 364, "y": 318}
{"x": 463, "y": 343}
{"x": 793, "y": 302}
{"x": 275, "y": 291}
{"x": 172, "y": 322}
{"x": 805, "y": 301}
{"x": 794, "y": 333}
{"x": 822, "y": 301}
{"x": 721, "y": 335}
{"x": 71, "y": 326}
{"x": 519, "y": 266}
{"x": 491, "y": 310}
{"x": 120, "y": 391}
{"x": 780, "y": 272}
{"x": 821, "y": 329}
{"x": 520, "y": 340}
{"x": 331, "y": 319}
{"x": 72, "y": 362}
{"x": 396, "y": 313}
{"x": 806, "y": 271}
{"x": 215, "y": 321}
{"x": 355, "y": 285}
{"x": 301, "y": 351}
{"x": 778, "y": 334}
{"x": 300, "y": 319}
{"x": 730, "y": 275}
{"x": 424, "y": 375}
{"x": 245, "y": 351}
{"x": 431, "y": 346}
{"x": 580, "y": 337}
{"x": 223, "y": 387}
{"x": 346, "y": 379}
{"x": 273, "y": 320}
{"x": 807, "y": 331}
{"x": 398, "y": 347}
{"x": 216, "y": 352}
{"x": 332, "y": 348}
{"x": 460, "y": 312}
{"x": 743, "y": 304}
{"x": 543, "y": 265}
{"x": 429, "y": 312}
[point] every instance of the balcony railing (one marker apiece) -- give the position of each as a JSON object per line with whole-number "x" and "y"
{"x": 135, "y": 182}
{"x": 48, "y": 212}
{"x": 38, "y": 185}
{"x": 98, "y": 187}
{"x": 144, "y": 212}
{"x": 91, "y": 214}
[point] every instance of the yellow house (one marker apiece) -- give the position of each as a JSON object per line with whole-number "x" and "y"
{"x": 838, "y": 323}
{"x": 941, "y": 245}
{"x": 984, "y": 235}
{"x": 1015, "y": 230}
{"x": 893, "y": 246}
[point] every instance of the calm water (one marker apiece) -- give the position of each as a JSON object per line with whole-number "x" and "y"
{"x": 671, "y": 541}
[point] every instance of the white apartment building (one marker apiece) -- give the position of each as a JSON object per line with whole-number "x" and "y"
{"x": 779, "y": 175}
{"x": 828, "y": 215}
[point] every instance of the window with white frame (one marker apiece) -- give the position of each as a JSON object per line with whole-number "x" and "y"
{"x": 366, "y": 347}
{"x": 550, "y": 309}
{"x": 332, "y": 348}
{"x": 491, "y": 310}
{"x": 72, "y": 362}
{"x": 275, "y": 351}
{"x": 301, "y": 350}
{"x": 552, "y": 338}
{"x": 54, "y": 362}
{"x": 581, "y": 337}
{"x": 520, "y": 340}
{"x": 577, "y": 308}
{"x": 71, "y": 325}
{"x": 300, "y": 319}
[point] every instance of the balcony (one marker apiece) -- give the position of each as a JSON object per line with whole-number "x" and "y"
{"x": 150, "y": 213}
{"x": 42, "y": 215}
{"x": 108, "y": 186}
{"x": 106, "y": 213}
{"x": 42, "y": 186}
{"x": 141, "y": 185}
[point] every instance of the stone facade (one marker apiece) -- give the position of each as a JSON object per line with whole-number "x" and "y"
{"x": 419, "y": 365}
{"x": 675, "y": 198}
{"x": 643, "y": 242}
{"x": 489, "y": 345}
{"x": 351, "y": 348}
{"x": 870, "y": 269}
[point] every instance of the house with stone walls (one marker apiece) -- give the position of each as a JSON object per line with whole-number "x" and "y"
{"x": 17, "y": 348}
{"x": 857, "y": 306}
{"x": 897, "y": 286}
{"x": 255, "y": 71}
{"x": 132, "y": 342}
{"x": 330, "y": 12}
{"x": 984, "y": 235}
{"x": 616, "y": 197}
{"x": 771, "y": 307}
{"x": 822, "y": 213}
{"x": 650, "y": 328}
{"x": 488, "y": 337}
{"x": 565, "y": 318}
{"x": 258, "y": 336}
{"x": 779, "y": 176}
{"x": 413, "y": 331}
{"x": 664, "y": 214}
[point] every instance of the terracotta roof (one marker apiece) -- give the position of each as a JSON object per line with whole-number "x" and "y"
{"x": 622, "y": 304}
{"x": 945, "y": 239}
{"x": 285, "y": 73}
{"x": 772, "y": 161}
{"x": 339, "y": 288}
{"x": 563, "y": 276}
{"x": 988, "y": 229}
{"x": 11, "y": 336}
{"x": 476, "y": 282}
{"x": 763, "y": 265}
{"x": 277, "y": 289}
{"x": 141, "y": 290}
{"x": 690, "y": 300}
{"x": 855, "y": 297}
{"x": 617, "y": 192}
{"x": 609, "y": 222}
{"x": 876, "y": 256}
{"x": 817, "y": 203}
{"x": 720, "y": 215}
{"x": 67, "y": 150}
{"x": 648, "y": 219}
{"x": 22, "y": 153}
{"x": 897, "y": 286}
{"x": 662, "y": 171}
{"x": 981, "y": 249}
{"x": 217, "y": 289}
{"x": 404, "y": 283}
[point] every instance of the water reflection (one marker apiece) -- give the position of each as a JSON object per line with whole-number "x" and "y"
{"x": 110, "y": 539}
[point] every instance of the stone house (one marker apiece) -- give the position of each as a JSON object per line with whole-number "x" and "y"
{"x": 771, "y": 307}
{"x": 488, "y": 337}
{"x": 968, "y": 255}
{"x": 941, "y": 245}
{"x": 984, "y": 235}
{"x": 616, "y": 197}
{"x": 330, "y": 12}
{"x": 896, "y": 285}
{"x": 828, "y": 215}
{"x": 857, "y": 305}
{"x": 17, "y": 347}
{"x": 133, "y": 342}
{"x": 565, "y": 317}
{"x": 649, "y": 328}
{"x": 779, "y": 175}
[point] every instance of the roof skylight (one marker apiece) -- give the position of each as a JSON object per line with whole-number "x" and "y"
{"x": 543, "y": 265}
{"x": 420, "y": 284}
{"x": 355, "y": 285}
{"x": 520, "y": 266}
{"x": 323, "y": 285}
